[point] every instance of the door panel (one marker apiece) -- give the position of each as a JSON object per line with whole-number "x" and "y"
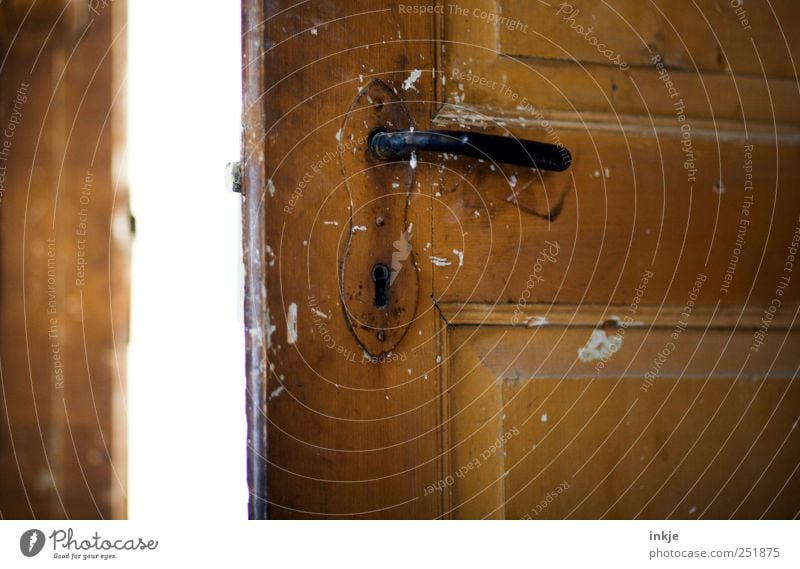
{"x": 704, "y": 35}
{"x": 705, "y": 431}
{"x": 624, "y": 207}
{"x": 554, "y": 64}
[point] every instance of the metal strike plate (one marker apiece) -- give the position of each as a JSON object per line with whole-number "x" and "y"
{"x": 379, "y": 280}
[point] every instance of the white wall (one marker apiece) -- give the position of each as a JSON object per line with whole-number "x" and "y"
{"x": 186, "y": 373}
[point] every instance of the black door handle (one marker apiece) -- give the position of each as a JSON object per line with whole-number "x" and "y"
{"x": 390, "y": 145}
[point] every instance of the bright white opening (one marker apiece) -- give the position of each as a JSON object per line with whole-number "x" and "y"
{"x": 186, "y": 420}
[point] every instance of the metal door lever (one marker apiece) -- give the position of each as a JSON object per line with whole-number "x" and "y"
{"x": 389, "y": 145}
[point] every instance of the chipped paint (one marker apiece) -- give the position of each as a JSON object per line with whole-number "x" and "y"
{"x": 271, "y": 254}
{"x": 319, "y": 313}
{"x": 440, "y": 261}
{"x": 277, "y": 391}
{"x": 269, "y": 327}
{"x": 600, "y": 346}
{"x": 409, "y": 83}
{"x": 270, "y": 331}
{"x": 291, "y": 324}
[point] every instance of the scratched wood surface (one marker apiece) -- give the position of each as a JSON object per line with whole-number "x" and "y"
{"x": 527, "y": 278}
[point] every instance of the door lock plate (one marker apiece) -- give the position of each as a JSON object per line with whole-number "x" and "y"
{"x": 379, "y": 280}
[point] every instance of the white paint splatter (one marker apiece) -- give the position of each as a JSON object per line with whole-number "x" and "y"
{"x": 460, "y": 255}
{"x": 692, "y": 510}
{"x": 276, "y": 392}
{"x": 313, "y": 31}
{"x": 535, "y": 321}
{"x": 339, "y": 135}
{"x": 319, "y": 313}
{"x": 413, "y": 161}
{"x": 543, "y": 418}
{"x": 412, "y": 79}
{"x": 512, "y": 181}
{"x": 359, "y": 228}
{"x": 270, "y": 188}
{"x": 599, "y": 346}
{"x": 291, "y": 324}
{"x": 607, "y": 172}
{"x": 440, "y": 261}
{"x": 270, "y": 331}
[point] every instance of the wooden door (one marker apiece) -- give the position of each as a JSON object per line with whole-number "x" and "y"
{"x": 618, "y": 340}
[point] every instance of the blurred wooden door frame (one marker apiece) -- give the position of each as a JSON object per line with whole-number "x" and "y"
{"x": 65, "y": 238}
{"x": 428, "y": 436}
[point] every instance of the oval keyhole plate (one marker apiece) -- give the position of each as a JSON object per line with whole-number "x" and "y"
{"x": 379, "y": 277}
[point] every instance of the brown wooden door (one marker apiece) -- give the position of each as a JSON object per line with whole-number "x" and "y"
{"x": 617, "y": 340}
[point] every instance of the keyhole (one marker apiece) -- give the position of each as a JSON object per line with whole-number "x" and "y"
{"x": 380, "y": 274}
